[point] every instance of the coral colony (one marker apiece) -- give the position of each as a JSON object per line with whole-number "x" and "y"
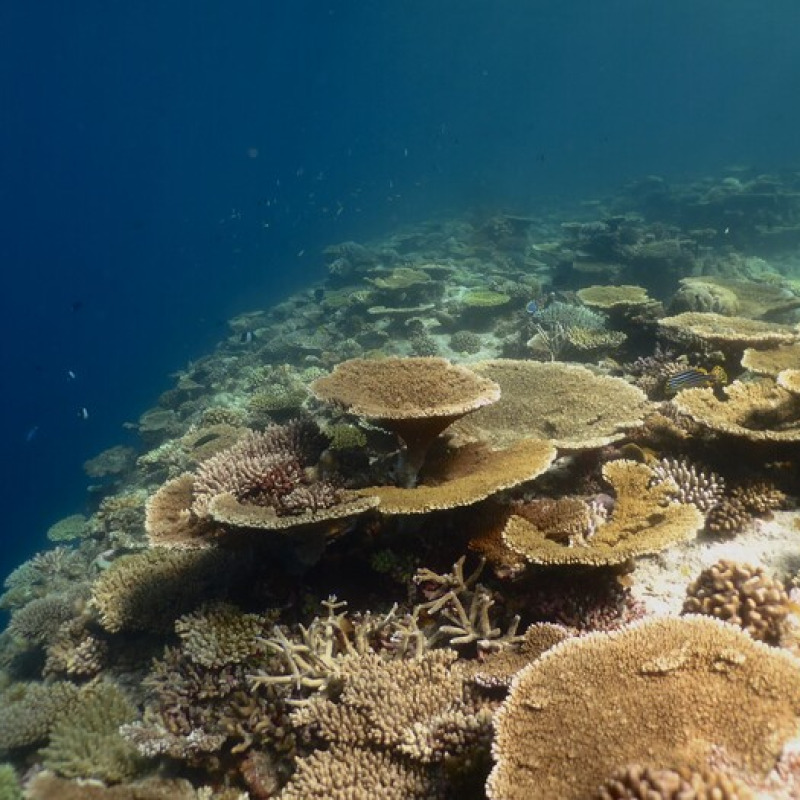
{"x": 500, "y": 509}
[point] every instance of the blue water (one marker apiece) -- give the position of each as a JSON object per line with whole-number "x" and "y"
{"x": 166, "y": 165}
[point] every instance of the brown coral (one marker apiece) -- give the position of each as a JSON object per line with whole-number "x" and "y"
{"x": 466, "y": 475}
{"x": 642, "y": 521}
{"x": 742, "y": 594}
{"x": 772, "y": 360}
{"x": 759, "y": 411}
{"x": 416, "y": 398}
{"x": 661, "y": 692}
{"x": 605, "y": 298}
{"x": 635, "y": 782}
{"x": 564, "y": 403}
{"x": 732, "y": 333}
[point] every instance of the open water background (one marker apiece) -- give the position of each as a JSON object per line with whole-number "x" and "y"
{"x": 165, "y": 165}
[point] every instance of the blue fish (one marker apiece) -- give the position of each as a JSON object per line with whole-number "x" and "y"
{"x": 694, "y": 377}
{"x": 532, "y": 307}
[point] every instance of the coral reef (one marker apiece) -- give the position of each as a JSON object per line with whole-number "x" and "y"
{"x": 341, "y": 542}
{"x": 697, "y": 678}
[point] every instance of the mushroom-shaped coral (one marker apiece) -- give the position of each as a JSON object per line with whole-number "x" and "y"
{"x": 758, "y": 411}
{"x": 664, "y": 692}
{"x": 731, "y": 333}
{"x": 466, "y": 475}
{"x": 416, "y": 398}
{"x": 789, "y": 379}
{"x": 564, "y": 403}
{"x": 605, "y": 298}
{"x": 643, "y": 521}
{"x": 742, "y": 594}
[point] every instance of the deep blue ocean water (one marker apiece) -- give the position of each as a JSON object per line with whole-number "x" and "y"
{"x": 164, "y": 166}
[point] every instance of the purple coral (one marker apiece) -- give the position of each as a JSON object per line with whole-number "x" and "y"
{"x": 268, "y": 468}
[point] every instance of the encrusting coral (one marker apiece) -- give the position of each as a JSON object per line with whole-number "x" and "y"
{"x": 743, "y": 595}
{"x": 659, "y": 692}
{"x": 416, "y": 398}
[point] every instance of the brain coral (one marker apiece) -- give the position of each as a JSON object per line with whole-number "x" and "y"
{"x": 664, "y": 692}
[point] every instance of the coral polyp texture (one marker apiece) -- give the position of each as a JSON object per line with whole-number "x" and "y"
{"x": 658, "y": 692}
{"x": 511, "y": 497}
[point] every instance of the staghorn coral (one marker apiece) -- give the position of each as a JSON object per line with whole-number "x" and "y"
{"x": 642, "y": 521}
{"x": 85, "y": 743}
{"x": 416, "y": 398}
{"x": 742, "y": 594}
{"x": 28, "y": 711}
{"x": 694, "y": 485}
{"x": 461, "y": 607}
{"x": 661, "y": 692}
{"x": 148, "y": 590}
{"x": 635, "y": 782}
{"x": 563, "y": 403}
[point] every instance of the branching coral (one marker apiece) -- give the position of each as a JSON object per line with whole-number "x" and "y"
{"x": 636, "y": 782}
{"x": 694, "y": 485}
{"x": 86, "y": 744}
{"x": 29, "y": 711}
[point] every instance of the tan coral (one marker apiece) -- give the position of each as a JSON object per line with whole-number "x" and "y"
{"x": 759, "y": 411}
{"x": 46, "y": 786}
{"x": 498, "y": 668}
{"x": 635, "y": 782}
{"x": 789, "y": 379}
{"x": 564, "y": 403}
{"x": 742, "y": 594}
{"x": 355, "y": 773}
{"x": 169, "y": 520}
{"x": 643, "y": 521}
{"x": 725, "y": 332}
{"x": 148, "y": 590}
{"x": 772, "y": 360}
{"x": 416, "y": 398}
{"x": 605, "y": 298}
{"x": 662, "y": 692}
{"x": 465, "y": 476}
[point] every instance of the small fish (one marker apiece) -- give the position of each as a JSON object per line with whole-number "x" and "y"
{"x": 532, "y": 307}
{"x": 31, "y": 434}
{"x": 71, "y": 375}
{"x": 83, "y": 413}
{"x": 247, "y": 337}
{"x": 319, "y": 294}
{"x": 694, "y": 377}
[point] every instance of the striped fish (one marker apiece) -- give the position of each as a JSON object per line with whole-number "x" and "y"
{"x": 693, "y": 377}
